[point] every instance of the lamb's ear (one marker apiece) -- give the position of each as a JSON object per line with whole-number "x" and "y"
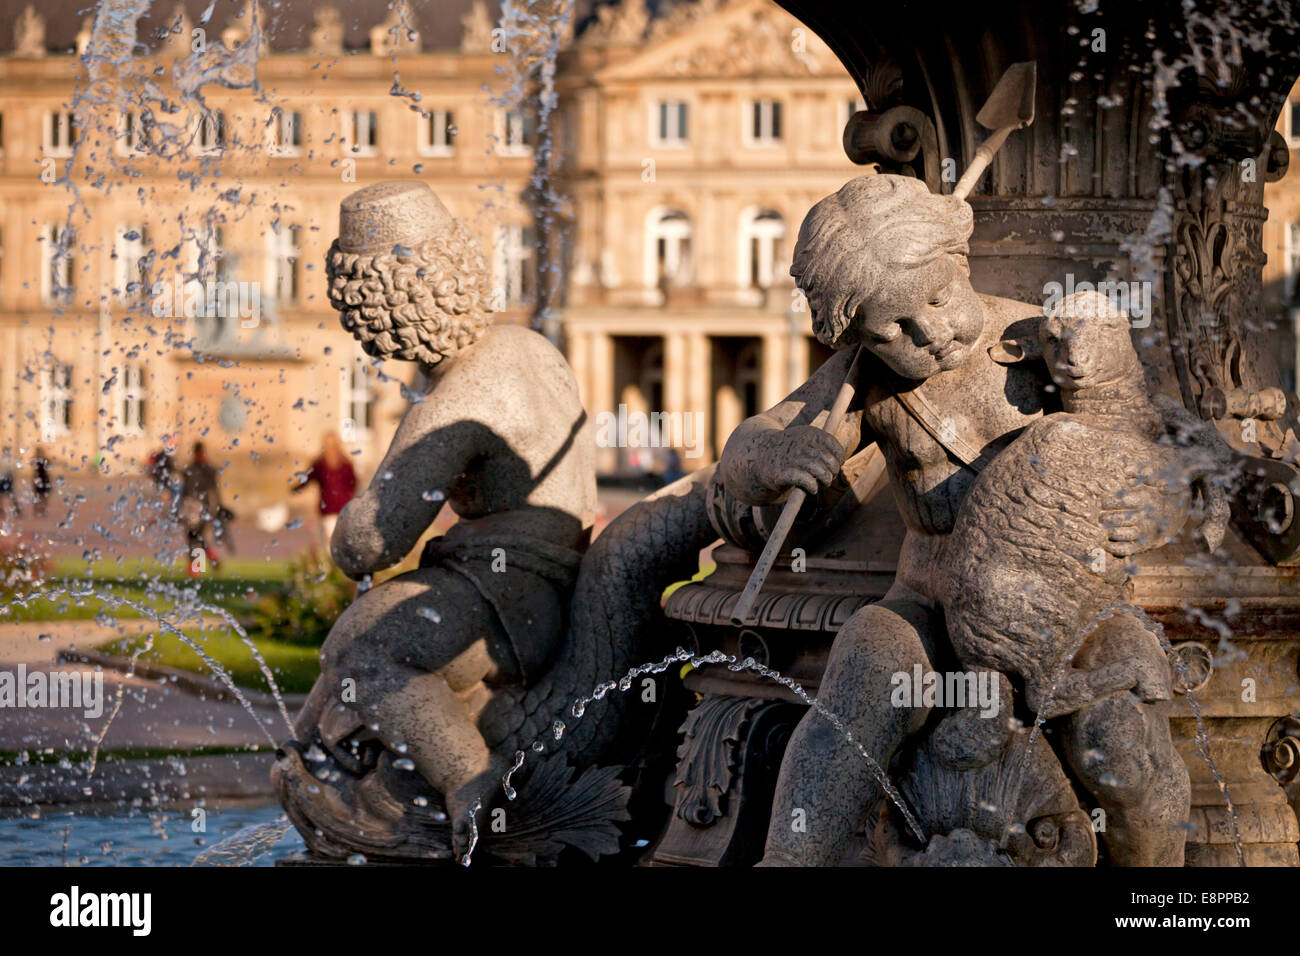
{"x": 1015, "y": 349}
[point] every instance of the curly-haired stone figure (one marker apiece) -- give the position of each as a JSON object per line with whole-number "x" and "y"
{"x": 500, "y": 437}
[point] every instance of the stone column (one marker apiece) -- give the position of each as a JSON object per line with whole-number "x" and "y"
{"x": 697, "y": 395}
{"x": 775, "y": 367}
{"x": 579, "y": 345}
{"x": 601, "y": 398}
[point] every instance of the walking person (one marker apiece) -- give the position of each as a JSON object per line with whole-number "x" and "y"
{"x": 8, "y": 492}
{"x": 332, "y": 472}
{"x": 162, "y": 471}
{"x": 201, "y": 508}
{"x": 42, "y": 485}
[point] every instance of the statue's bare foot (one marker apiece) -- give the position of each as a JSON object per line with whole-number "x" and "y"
{"x": 471, "y": 801}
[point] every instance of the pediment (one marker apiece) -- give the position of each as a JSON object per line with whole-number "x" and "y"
{"x": 742, "y": 38}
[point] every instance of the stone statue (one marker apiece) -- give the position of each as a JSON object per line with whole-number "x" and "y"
{"x": 1038, "y": 587}
{"x": 1033, "y": 566}
{"x": 433, "y": 680}
{"x": 327, "y": 31}
{"x": 396, "y": 33}
{"x": 179, "y": 36}
{"x": 29, "y": 33}
{"x": 476, "y": 27}
{"x": 948, "y": 380}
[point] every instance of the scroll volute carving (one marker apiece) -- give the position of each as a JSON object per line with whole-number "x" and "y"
{"x": 894, "y": 137}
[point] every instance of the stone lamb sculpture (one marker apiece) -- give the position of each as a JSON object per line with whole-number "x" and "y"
{"x": 1033, "y": 564}
{"x": 1039, "y": 587}
{"x": 431, "y": 681}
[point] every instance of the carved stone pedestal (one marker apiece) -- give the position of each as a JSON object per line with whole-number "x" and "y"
{"x": 726, "y": 773}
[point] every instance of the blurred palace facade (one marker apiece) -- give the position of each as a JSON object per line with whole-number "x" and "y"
{"x": 692, "y": 137}
{"x": 690, "y": 145}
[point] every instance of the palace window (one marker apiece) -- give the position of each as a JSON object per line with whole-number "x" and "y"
{"x": 761, "y": 232}
{"x": 217, "y": 310}
{"x": 58, "y": 265}
{"x": 131, "y": 398}
{"x": 764, "y": 126}
{"x": 671, "y": 124}
{"x": 212, "y": 133}
{"x": 130, "y": 262}
{"x": 363, "y": 132}
{"x": 284, "y": 254}
{"x": 60, "y": 133}
{"x": 55, "y": 400}
{"x": 668, "y": 249}
{"x": 514, "y": 267}
{"x": 515, "y": 133}
{"x": 357, "y": 400}
{"x": 284, "y": 133}
{"x": 132, "y": 138}
{"x": 438, "y": 133}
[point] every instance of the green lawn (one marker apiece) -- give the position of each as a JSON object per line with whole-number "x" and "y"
{"x": 236, "y": 584}
{"x": 295, "y": 667}
{"x": 49, "y": 756}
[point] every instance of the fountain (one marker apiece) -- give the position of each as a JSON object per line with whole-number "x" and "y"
{"x": 1143, "y": 168}
{"x": 1146, "y": 163}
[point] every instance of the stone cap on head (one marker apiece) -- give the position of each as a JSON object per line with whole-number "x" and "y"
{"x": 375, "y": 219}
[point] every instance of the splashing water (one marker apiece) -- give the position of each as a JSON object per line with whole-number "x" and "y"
{"x": 534, "y": 31}
{"x": 153, "y": 614}
{"x": 680, "y": 656}
{"x": 466, "y": 858}
{"x": 245, "y": 846}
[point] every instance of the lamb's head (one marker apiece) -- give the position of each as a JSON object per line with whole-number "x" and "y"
{"x": 1086, "y": 344}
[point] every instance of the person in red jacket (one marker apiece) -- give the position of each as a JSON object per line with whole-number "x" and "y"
{"x": 332, "y": 472}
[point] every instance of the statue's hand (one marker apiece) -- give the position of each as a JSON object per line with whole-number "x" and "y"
{"x": 1144, "y": 517}
{"x": 800, "y": 456}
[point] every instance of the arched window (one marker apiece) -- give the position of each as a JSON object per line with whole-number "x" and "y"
{"x": 761, "y": 234}
{"x": 668, "y": 249}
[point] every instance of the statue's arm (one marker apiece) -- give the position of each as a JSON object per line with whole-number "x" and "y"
{"x": 433, "y": 445}
{"x": 784, "y": 447}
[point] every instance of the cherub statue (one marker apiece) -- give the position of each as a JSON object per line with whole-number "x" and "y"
{"x": 943, "y": 386}
{"x": 433, "y": 681}
{"x": 500, "y": 437}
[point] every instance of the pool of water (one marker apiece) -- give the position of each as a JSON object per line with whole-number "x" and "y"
{"x": 133, "y": 837}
